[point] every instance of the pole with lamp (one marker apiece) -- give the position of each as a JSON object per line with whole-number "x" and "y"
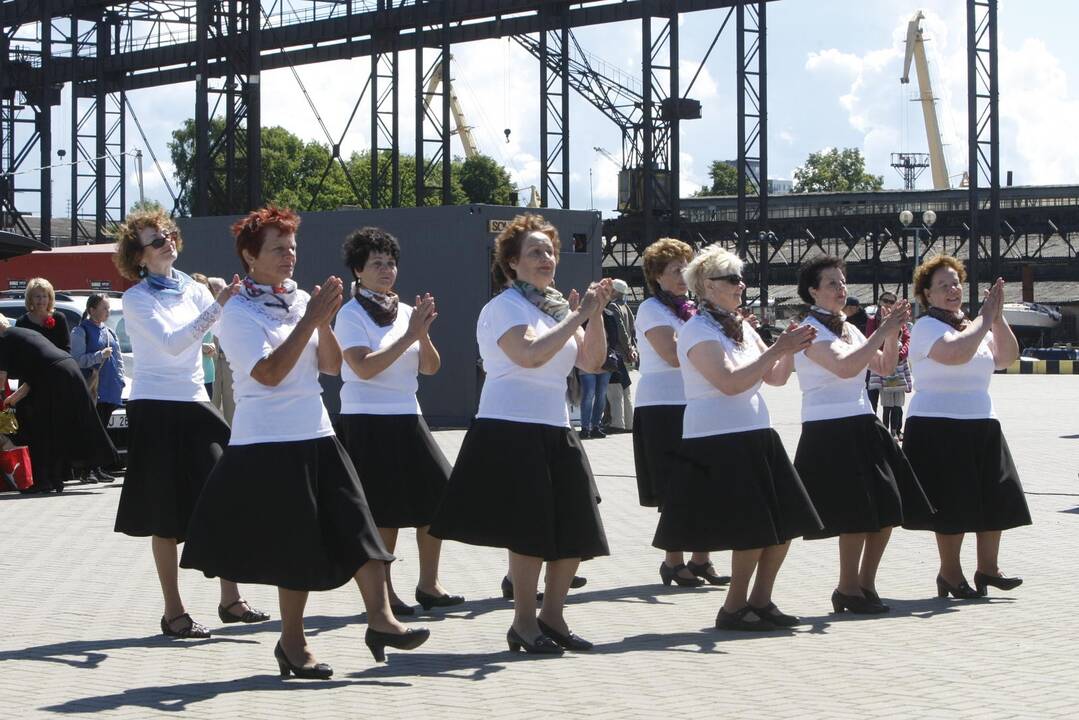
{"x": 929, "y": 217}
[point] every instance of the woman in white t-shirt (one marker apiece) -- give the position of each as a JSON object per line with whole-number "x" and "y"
{"x": 522, "y": 480}
{"x": 175, "y": 436}
{"x": 386, "y": 343}
{"x": 953, "y": 437}
{"x": 660, "y": 401}
{"x": 741, "y": 492}
{"x": 284, "y": 506}
{"x": 859, "y": 480}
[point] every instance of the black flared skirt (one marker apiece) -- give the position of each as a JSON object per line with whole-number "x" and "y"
{"x": 290, "y": 514}
{"x": 526, "y": 487}
{"x": 741, "y": 493}
{"x": 172, "y": 448}
{"x": 59, "y": 421}
{"x": 857, "y": 476}
{"x": 657, "y": 435}
{"x": 968, "y": 473}
{"x": 401, "y": 467}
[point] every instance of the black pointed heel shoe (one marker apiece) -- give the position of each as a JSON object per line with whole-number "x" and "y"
{"x": 250, "y": 615}
{"x": 542, "y": 645}
{"x": 570, "y": 641}
{"x": 507, "y": 589}
{"x": 872, "y": 596}
{"x": 737, "y": 621}
{"x": 400, "y": 609}
{"x": 319, "y": 671}
{"x": 193, "y": 630}
{"x": 378, "y": 641}
{"x": 856, "y": 604}
{"x": 577, "y": 582}
{"x": 429, "y": 601}
{"x": 982, "y": 581}
{"x": 963, "y": 591}
{"x": 778, "y": 618}
{"x": 707, "y": 572}
{"x": 668, "y": 575}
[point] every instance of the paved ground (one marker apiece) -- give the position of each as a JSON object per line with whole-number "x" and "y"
{"x": 79, "y": 607}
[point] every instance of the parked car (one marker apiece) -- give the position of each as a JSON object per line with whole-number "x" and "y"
{"x": 72, "y": 303}
{"x": 1061, "y": 352}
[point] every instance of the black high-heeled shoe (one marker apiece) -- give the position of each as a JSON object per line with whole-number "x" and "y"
{"x": 982, "y": 581}
{"x": 429, "y": 601}
{"x": 400, "y": 609}
{"x": 577, "y": 582}
{"x": 410, "y": 639}
{"x": 250, "y": 615}
{"x": 737, "y": 621}
{"x": 193, "y": 630}
{"x": 707, "y": 571}
{"x": 775, "y": 616}
{"x": 542, "y": 645}
{"x": 668, "y": 575}
{"x": 962, "y": 591}
{"x": 319, "y": 671}
{"x": 872, "y": 596}
{"x": 571, "y": 641}
{"x": 856, "y": 604}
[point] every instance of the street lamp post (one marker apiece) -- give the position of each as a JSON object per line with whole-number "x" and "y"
{"x": 906, "y": 217}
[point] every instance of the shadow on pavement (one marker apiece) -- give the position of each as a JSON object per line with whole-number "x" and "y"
{"x": 178, "y": 698}
{"x": 89, "y": 654}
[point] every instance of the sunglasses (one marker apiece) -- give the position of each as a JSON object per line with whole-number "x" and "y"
{"x": 160, "y": 239}
{"x": 732, "y": 279}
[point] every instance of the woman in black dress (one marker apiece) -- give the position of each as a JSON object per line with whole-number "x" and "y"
{"x": 284, "y": 506}
{"x": 66, "y": 428}
{"x": 42, "y": 315}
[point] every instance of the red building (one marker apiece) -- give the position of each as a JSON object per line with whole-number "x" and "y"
{"x": 76, "y": 267}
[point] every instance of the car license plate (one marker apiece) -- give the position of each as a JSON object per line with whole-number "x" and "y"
{"x": 117, "y": 421}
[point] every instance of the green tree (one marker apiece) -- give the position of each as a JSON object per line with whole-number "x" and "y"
{"x": 484, "y": 181}
{"x": 724, "y": 180}
{"x": 836, "y": 170}
{"x": 145, "y": 205}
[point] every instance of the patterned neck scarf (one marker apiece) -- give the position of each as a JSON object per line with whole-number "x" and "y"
{"x": 276, "y": 301}
{"x": 730, "y": 323}
{"x": 960, "y": 322}
{"x": 836, "y": 322}
{"x": 680, "y": 305}
{"x": 549, "y": 300}
{"x": 381, "y": 308}
{"x": 171, "y": 284}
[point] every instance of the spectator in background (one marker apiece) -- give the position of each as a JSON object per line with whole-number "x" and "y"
{"x": 619, "y": 398}
{"x": 41, "y": 314}
{"x": 96, "y": 349}
{"x": 856, "y": 314}
{"x": 884, "y": 308}
{"x": 222, "y": 397}
{"x": 209, "y": 347}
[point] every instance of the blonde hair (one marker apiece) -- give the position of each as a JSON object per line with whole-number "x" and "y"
{"x": 660, "y": 254}
{"x": 923, "y": 275}
{"x": 712, "y": 261}
{"x": 128, "y": 246}
{"x": 39, "y": 283}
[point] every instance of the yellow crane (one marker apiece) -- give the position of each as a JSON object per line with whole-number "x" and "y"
{"x": 916, "y": 53}
{"x": 464, "y": 130}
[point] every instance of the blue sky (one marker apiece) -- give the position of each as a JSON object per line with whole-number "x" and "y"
{"x": 834, "y": 69}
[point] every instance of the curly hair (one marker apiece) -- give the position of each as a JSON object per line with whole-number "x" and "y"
{"x": 509, "y": 241}
{"x": 40, "y": 283}
{"x": 923, "y": 274}
{"x": 659, "y": 255}
{"x": 360, "y": 244}
{"x": 129, "y": 248}
{"x": 712, "y": 261}
{"x": 810, "y": 272}
{"x": 250, "y": 231}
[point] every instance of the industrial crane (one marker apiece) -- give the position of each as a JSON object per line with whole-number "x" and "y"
{"x": 464, "y": 130}
{"x": 916, "y": 52}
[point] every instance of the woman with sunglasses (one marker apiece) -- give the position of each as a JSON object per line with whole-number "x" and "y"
{"x": 175, "y": 436}
{"x": 740, "y": 491}
{"x": 858, "y": 478}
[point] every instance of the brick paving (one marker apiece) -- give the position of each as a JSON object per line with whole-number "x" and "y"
{"x": 79, "y": 607}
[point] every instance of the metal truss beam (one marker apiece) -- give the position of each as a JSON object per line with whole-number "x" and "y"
{"x": 385, "y": 128}
{"x": 983, "y": 138}
{"x": 554, "y": 47}
{"x": 433, "y": 108}
{"x": 752, "y": 55}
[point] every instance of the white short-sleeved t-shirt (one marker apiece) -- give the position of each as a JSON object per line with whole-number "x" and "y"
{"x": 825, "y": 395}
{"x": 392, "y": 391}
{"x": 166, "y": 336}
{"x": 660, "y": 383}
{"x": 952, "y": 391}
{"x": 292, "y": 410}
{"x": 512, "y": 392}
{"x": 708, "y": 410}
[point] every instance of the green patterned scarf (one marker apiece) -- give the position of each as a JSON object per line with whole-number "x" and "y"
{"x": 549, "y": 300}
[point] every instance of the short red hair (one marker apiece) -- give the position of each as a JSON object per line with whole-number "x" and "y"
{"x": 250, "y": 232}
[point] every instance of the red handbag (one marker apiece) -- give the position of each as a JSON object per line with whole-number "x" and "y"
{"x": 17, "y": 471}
